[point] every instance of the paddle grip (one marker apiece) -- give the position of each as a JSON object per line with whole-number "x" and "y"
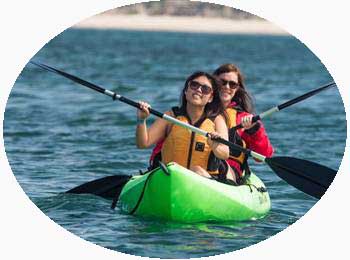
{"x": 137, "y": 105}
{"x": 254, "y": 119}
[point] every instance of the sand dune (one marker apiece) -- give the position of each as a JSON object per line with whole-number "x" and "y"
{"x": 180, "y": 24}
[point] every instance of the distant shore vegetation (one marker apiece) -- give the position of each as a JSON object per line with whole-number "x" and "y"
{"x": 183, "y": 8}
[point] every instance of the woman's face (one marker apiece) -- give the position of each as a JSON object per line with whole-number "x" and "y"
{"x": 199, "y": 91}
{"x": 228, "y": 87}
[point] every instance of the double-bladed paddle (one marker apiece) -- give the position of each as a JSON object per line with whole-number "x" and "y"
{"x": 289, "y": 103}
{"x": 309, "y": 177}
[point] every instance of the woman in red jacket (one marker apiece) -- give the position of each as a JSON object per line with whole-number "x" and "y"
{"x": 239, "y": 110}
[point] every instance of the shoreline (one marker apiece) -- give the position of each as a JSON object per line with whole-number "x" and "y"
{"x": 180, "y": 24}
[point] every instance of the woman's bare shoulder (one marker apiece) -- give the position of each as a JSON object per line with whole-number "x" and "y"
{"x": 219, "y": 119}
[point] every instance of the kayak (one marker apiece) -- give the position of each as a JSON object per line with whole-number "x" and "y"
{"x": 177, "y": 194}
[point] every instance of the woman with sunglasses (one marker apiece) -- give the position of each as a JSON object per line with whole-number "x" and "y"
{"x": 239, "y": 109}
{"x": 201, "y": 107}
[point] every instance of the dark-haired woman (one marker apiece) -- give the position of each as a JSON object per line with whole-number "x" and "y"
{"x": 239, "y": 109}
{"x": 201, "y": 107}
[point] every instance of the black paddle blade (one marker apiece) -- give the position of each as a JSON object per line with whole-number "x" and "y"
{"x": 108, "y": 187}
{"x": 309, "y": 177}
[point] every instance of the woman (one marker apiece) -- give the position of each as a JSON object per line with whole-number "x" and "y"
{"x": 239, "y": 108}
{"x": 201, "y": 107}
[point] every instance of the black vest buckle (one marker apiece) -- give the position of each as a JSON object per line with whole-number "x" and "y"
{"x": 199, "y": 147}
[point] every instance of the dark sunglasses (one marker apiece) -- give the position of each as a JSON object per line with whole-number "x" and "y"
{"x": 194, "y": 85}
{"x": 231, "y": 84}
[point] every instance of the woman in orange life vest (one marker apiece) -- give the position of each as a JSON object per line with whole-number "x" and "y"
{"x": 239, "y": 108}
{"x": 201, "y": 107}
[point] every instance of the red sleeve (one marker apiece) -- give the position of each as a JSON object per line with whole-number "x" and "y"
{"x": 256, "y": 139}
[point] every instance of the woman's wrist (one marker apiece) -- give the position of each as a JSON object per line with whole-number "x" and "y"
{"x": 253, "y": 129}
{"x": 141, "y": 121}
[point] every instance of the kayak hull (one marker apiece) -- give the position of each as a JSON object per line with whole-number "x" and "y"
{"x": 183, "y": 196}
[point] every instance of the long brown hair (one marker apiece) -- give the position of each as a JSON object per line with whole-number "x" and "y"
{"x": 242, "y": 97}
{"x": 211, "y": 109}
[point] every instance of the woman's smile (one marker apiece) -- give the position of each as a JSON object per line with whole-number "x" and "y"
{"x": 197, "y": 95}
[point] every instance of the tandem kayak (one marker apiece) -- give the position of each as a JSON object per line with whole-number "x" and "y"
{"x": 178, "y": 194}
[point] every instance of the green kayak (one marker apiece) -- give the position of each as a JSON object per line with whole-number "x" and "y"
{"x": 178, "y": 194}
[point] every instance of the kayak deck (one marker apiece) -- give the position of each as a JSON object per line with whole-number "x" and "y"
{"x": 185, "y": 196}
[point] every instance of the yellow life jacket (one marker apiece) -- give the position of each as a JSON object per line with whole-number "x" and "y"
{"x": 234, "y": 137}
{"x": 188, "y": 148}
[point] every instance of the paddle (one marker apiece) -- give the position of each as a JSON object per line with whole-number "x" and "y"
{"x": 288, "y": 103}
{"x": 107, "y": 187}
{"x": 299, "y": 173}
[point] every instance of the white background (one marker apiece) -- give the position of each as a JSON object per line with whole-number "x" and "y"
{"x": 25, "y": 232}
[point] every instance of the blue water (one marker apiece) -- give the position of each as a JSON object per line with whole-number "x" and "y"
{"x": 59, "y": 135}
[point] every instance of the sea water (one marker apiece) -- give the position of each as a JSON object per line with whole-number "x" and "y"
{"x": 59, "y": 135}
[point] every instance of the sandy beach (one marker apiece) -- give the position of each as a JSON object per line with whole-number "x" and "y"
{"x": 180, "y": 24}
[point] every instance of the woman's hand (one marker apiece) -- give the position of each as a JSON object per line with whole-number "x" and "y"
{"x": 212, "y": 142}
{"x": 246, "y": 122}
{"x": 143, "y": 111}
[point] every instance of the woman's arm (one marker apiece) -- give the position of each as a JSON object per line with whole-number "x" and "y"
{"x": 221, "y": 151}
{"x": 145, "y": 137}
{"x": 255, "y": 136}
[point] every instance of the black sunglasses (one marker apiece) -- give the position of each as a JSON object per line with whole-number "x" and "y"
{"x": 194, "y": 85}
{"x": 231, "y": 84}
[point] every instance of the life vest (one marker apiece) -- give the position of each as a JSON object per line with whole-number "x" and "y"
{"x": 188, "y": 148}
{"x": 236, "y": 157}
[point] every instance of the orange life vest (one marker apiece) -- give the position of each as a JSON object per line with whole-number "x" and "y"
{"x": 188, "y": 148}
{"x": 237, "y": 160}
{"x": 234, "y": 137}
